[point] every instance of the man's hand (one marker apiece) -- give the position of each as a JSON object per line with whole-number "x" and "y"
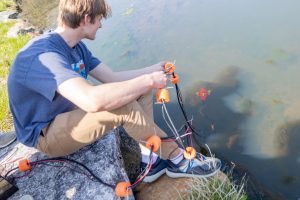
{"x": 158, "y": 67}
{"x": 159, "y": 79}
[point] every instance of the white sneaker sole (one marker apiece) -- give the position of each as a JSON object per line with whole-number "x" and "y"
{"x": 149, "y": 179}
{"x": 182, "y": 175}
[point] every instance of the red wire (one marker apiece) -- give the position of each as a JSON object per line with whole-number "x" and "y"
{"x": 146, "y": 172}
{"x": 142, "y": 177}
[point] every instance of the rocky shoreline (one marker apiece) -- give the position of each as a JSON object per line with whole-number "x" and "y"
{"x": 69, "y": 180}
{"x": 22, "y": 26}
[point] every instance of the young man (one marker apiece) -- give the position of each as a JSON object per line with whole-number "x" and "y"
{"x": 58, "y": 111}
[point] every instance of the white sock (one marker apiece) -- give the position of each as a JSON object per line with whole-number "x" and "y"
{"x": 178, "y": 158}
{"x": 146, "y": 155}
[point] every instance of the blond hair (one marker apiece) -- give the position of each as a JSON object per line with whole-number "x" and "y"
{"x": 71, "y": 12}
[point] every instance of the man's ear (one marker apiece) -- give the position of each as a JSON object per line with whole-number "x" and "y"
{"x": 86, "y": 19}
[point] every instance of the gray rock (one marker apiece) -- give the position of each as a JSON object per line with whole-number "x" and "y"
{"x": 13, "y": 15}
{"x": 25, "y": 31}
{"x": 65, "y": 180}
{"x": 21, "y": 27}
{"x": 131, "y": 154}
{"x": 4, "y": 15}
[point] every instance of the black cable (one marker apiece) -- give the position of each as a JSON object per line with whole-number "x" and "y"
{"x": 179, "y": 99}
{"x": 82, "y": 165}
{"x": 13, "y": 169}
{"x": 180, "y": 102}
{"x": 150, "y": 160}
{"x": 80, "y": 171}
{"x": 65, "y": 159}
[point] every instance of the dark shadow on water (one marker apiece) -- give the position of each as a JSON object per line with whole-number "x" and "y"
{"x": 212, "y": 116}
{"x": 217, "y": 124}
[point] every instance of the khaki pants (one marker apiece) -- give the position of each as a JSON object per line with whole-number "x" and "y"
{"x": 70, "y": 131}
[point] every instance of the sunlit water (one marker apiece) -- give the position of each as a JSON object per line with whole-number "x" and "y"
{"x": 246, "y": 52}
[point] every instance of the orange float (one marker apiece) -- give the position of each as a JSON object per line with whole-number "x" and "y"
{"x": 169, "y": 68}
{"x": 189, "y": 153}
{"x": 123, "y": 189}
{"x": 153, "y": 143}
{"x": 162, "y": 96}
{"x": 24, "y": 165}
{"x": 175, "y": 79}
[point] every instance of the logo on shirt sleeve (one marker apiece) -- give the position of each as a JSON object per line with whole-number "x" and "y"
{"x": 80, "y": 68}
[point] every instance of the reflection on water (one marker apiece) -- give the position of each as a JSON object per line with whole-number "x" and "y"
{"x": 245, "y": 52}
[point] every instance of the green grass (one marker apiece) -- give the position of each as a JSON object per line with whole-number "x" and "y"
{"x": 9, "y": 47}
{"x": 6, "y": 122}
{"x": 8, "y": 50}
{"x": 215, "y": 188}
{"x": 6, "y": 5}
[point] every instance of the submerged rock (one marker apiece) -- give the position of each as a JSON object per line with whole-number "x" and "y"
{"x": 66, "y": 180}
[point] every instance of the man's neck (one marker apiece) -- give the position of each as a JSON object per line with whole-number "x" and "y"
{"x": 70, "y": 35}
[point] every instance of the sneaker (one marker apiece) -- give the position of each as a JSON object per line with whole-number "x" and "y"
{"x": 7, "y": 138}
{"x": 199, "y": 167}
{"x": 158, "y": 168}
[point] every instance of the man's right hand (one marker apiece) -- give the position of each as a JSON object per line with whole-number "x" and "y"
{"x": 159, "y": 79}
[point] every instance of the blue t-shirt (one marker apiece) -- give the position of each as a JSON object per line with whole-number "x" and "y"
{"x": 39, "y": 68}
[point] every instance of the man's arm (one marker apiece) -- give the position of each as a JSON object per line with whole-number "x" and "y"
{"x": 109, "y": 96}
{"x": 105, "y": 75}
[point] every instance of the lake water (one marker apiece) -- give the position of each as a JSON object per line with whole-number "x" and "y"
{"x": 247, "y": 53}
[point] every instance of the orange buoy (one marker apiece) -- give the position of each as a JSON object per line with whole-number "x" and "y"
{"x": 123, "y": 189}
{"x": 24, "y": 165}
{"x": 175, "y": 79}
{"x": 169, "y": 68}
{"x": 162, "y": 96}
{"x": 189, "y": 153}
{"x": 153, "y": 143}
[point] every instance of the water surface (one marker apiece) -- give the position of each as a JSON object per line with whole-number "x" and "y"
{"x": 246, "y": 52}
